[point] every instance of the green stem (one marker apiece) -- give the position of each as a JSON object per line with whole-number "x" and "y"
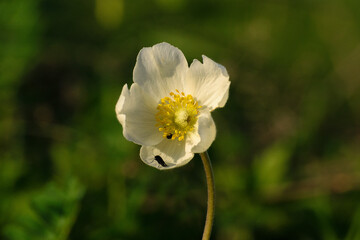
{"x": 211, "y": 195}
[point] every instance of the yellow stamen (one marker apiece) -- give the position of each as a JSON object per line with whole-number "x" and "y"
{"x": 177, "y": 115}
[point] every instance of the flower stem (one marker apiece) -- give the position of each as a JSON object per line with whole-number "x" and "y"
{"x": 211, "y": 195}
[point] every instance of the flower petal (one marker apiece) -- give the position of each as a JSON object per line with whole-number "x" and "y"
{"x": 160, "y": 70}
{"x": 167, "y": 154}
{"x": 193, "y": 138}
{"x": 120, "y": 104}
{"x": 208, "y": 82}
{"x": 136, "y": 111}
{"x": 207, "y": 132}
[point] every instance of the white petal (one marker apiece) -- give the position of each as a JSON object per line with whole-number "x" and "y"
{"x": 120, "y": 104}
{"x": 207, "y": 132}
{"x": 208, "y": 82}
{"x": 172, "y": 152}
{"x": 160, "y": 69}
{"x": 192, "y": 139}
{"x": 136, "y": 111}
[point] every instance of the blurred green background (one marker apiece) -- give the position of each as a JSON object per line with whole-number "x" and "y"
{"x": 287, "y": 154}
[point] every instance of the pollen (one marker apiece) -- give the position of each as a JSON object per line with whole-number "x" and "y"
{"x": 177, "y": 115}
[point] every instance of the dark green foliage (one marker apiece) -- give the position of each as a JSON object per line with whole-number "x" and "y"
{"x": 51, "y": 215}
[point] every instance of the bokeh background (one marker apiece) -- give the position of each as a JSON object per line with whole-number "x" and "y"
{"x": 287, "y": 154}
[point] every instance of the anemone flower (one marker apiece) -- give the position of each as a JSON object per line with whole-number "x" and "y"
{"x": 168, "y": 108}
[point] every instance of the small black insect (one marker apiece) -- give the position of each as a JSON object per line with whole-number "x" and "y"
{"x": 169, "y": 136}
{"x": 160, "y": 161}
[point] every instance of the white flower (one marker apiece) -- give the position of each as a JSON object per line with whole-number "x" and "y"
{"x": 167, "y": 108}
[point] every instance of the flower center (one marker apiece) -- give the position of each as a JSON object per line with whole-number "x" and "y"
{"x": 177, "y": 115}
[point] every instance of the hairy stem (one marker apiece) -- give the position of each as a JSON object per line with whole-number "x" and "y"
{"x": 211, "y": 195}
